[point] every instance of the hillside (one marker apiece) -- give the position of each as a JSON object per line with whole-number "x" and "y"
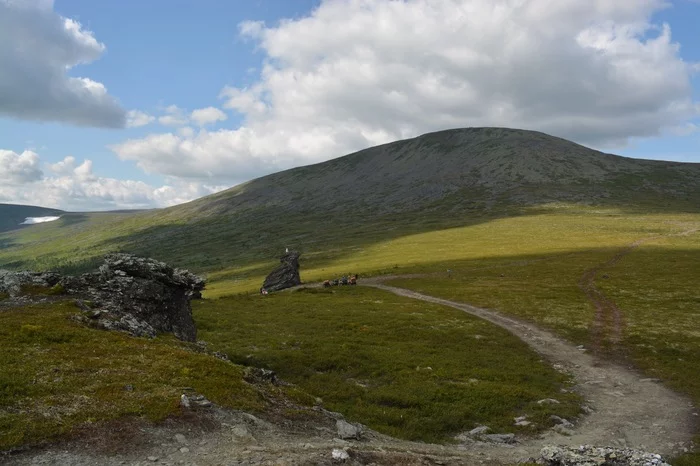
{"x": 12, "y": 215}
{"x": 438, "y": 180}
{"x": 487, "y": 164}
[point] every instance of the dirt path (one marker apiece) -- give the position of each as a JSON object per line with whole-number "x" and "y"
{"x": 609, "y": 322}
{"x": 628, "y": 409}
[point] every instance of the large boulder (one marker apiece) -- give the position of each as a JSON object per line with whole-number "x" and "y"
{"x": 128, "y": 290}
{"x": 286, "y": 275}
{"x": 133, "y": 294}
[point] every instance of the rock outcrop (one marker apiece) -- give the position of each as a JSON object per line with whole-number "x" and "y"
{"x": 136, "y": 295}
{"x": 286, "y": 275}
{"x": 587, "y": 455}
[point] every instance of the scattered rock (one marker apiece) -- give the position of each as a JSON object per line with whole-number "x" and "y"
{"x": 286, "y": 275}
{"x": 339, "y": 455}
{"x": 561, "y": 421}
{"x": 259, "y": 375}
{"x": 499, "y": 438}
{"x": 12, "y": 283}
{"x": 194, "y": 402}
{"x": 587, "y": 455}
{"x": 560, "y": 429}
{"x": 479, "y": 431}
{"x": 347, "y": 430}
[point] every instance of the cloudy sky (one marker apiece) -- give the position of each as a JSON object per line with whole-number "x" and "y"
{"x": 132, "y": 103}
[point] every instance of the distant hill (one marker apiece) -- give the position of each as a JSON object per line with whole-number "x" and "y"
{"x": 438, "y": 180}
{"x": 12, "y": 215}
{"x": 485, "y": 164}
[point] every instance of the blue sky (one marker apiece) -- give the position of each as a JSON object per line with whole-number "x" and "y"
{"x": 275, "y": 84}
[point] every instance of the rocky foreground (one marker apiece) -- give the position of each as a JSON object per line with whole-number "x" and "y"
{"x": 132, "y": 294}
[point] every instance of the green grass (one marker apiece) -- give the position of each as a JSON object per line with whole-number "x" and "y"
{"x": 522, "y": 261}
{"x": 406, "y": 368}
{"x": 57, "y": 376}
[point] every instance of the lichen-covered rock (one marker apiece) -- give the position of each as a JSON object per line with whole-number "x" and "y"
{"x": 286, "y": 275}
{"x": 13, "y": 282}
{"x": 132, "y": 294}
{"x": 587, "y": 455}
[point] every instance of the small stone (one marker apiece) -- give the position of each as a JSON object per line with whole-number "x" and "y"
{"x": 129, "y": 388}
{"x": 479, "y": 430}
{"x": 548, "y": 401}
{"x": 153, "y": 458}
{"x": 560, "y": 429}
{"x": 347, "y": 430}
{"x": 179, "y": 438}
{"x": 339, "y": 455}
{"x": 561, "y": 421}
{"x": 184, "y": 401}
{"x": 184, "y": 450}
{"x": 499, "y": 438}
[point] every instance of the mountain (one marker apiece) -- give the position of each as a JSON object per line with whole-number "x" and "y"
{"x": 522, "y": 167}
{"x": 438, "y": 180}
{"x": 12, "y": 215}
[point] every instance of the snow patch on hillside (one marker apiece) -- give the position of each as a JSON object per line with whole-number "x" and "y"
{"x": 34, "y": 220}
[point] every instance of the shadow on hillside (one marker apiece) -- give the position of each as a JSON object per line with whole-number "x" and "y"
{"x": 6, "y": 243}
{"x": 259, "y": 236}
{"x": 70, "y": 219}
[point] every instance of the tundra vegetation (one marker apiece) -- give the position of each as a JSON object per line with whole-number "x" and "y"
{"x": 561, "y": 222}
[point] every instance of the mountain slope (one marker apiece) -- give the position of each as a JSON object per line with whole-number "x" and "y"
{"x": 11, "y": 215}
{"x": 408, "y": 174}
{"x": 435, "y": 181}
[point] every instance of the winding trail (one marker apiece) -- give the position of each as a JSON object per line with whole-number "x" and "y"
{"x": 628, "y": 409}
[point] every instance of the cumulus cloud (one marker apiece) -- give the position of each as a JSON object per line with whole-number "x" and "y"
{"x": 207, "y": 116}
{"x": 137, "y": 118}
{"x": 70, "y": 185}
{"x": 37, "y": 49}
{"x": 174, "y": 116}
{"x": 353, "y": 74}
{"x": 19, "y": 168}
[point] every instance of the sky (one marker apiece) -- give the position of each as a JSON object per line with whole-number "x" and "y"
{"x": 138, "y": 104}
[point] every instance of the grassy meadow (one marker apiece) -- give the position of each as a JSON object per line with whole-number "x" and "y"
{"x": 367, "y": 345}
{"x": 59, "y": 377}
{"x": 406, "y": 368}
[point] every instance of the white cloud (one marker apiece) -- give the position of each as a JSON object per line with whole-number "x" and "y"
{"x": 207, "y": 116}
{"x": 174, "y": 117}
{"x": 137, "y": 118}
{"x": 19, "y": 168}
{"x": 73, "y": 186}
{"x": 38, "y": 47}
{"x": 349, "y": 76}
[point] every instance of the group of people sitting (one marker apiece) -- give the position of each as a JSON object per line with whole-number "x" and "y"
{"x": 345, "y": 280}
